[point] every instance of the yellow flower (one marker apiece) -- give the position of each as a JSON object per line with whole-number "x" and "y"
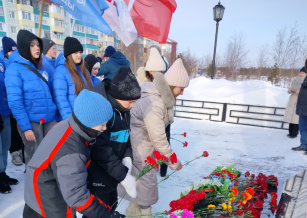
{"x": 244, "y": 202}
{"x": 229, "y": 207}
{"x": 249, "y": 196}
{"x": 224, "y": 206}
{"x": 211, "y": 205}
{"x": 232, "y": 199}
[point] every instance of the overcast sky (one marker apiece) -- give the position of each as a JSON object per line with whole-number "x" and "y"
{"x": 258, "y": 20}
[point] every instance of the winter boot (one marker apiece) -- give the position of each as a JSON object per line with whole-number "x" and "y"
{"x": 16, "y": 158}
{"x": 10, "y": 180}
{"x": 133, "y": 210}
{"x": 163, "y": 170}
{"x": 4, "y": 186}
{"x": 146, "y": 213}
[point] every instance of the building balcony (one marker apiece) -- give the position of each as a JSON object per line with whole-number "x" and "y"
{"x": 28, "y": 23}
{"x": 58, "y": 41}
{"x": 57, "y": 29}
{"x": 109, "y": 38}
{"x": 28, "y": 8}
{"x": 57, "y": 16}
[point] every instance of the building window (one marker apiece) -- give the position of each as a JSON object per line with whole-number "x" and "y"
{"x": 28, "y": 28}
{"x": 1, "y": 11}
{"x": 26, "y": 15}
{"x": 59, "y": 10}
{"x": 59, "y": 23}
{"x": 47, "y": 34}
{"x": 1, "y": 26}
{"x": 36, "y": 4}
{"x": 46, "y": 7}
{"x": 36, "y": 18}
{"x": 13, "y": 29}
{"x": 12, "y": 14}
{"x": 10, "y": 1}
{"x": 79, "y": 28}
{"x": 45, "y": 22}
{"x": 23, "y": 2}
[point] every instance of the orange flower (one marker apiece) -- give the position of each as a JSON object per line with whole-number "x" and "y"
{"x": 250, "y": 190}
{"x": 245, "y": 196}
{"x": 234, "y": 190}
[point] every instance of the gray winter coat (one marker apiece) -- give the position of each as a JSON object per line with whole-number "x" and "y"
{"x": 149, "y": 118}
{"x": 55, "y": 183}
{"x": 290, "y": 114}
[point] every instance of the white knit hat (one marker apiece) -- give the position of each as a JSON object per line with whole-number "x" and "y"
{"x": 155, "y": 61}
{"x": 177, "y": 75}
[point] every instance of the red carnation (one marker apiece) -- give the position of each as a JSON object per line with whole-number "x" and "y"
{"x": 42, "y": 120}
{"x": 173, "y": 158}
{"x": 274, "y": 195}
{"x": 185, "y": 144}
{"x": 253, "y": 176}
{"x": 240, "y": 212}
{"x": 184, "y": 134}
{"x": 205, "y": 154}
{"x": 247, "y": 174}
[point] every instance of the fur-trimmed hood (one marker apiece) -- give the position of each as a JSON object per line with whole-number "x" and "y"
{"x": 161, "y": 88}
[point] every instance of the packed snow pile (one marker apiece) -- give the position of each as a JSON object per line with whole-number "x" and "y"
{"x": 253, "y": 92}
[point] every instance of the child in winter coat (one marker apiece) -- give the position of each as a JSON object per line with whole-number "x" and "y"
{"x": 149, "y": 118}
{"x": 5, "y": 135}
{"x": 55, "y": 183}
{"x": 154, "y": 64}
{"x": 28, "y": 92}
{"x": 70, "y": 77}
{"x": 9, "y": 46}
{"x": 93, "y": 65}
{"x": 112, "y": 154}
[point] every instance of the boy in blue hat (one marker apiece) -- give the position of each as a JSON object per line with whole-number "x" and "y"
{"x": 55, "y": 184}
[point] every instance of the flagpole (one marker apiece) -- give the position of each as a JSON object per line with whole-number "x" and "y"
{"x": 40, "y": 19}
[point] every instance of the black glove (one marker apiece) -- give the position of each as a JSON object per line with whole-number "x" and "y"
{"x": 115, "y": 214}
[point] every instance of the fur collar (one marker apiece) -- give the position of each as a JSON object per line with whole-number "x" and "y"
{"x": 164, "y": 90}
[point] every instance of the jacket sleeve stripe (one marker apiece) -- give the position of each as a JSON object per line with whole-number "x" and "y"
{"x": 88, "y": 163}
{"x": 88, "y": 203}
{"x": 44, "y": 165}
{"x": 69, "y": 212}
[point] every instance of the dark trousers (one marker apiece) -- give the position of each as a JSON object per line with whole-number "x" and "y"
{"x": 293, "y": 129}
{"x": 28, "y": 212}
{"x": 16, "y": 141}
{"x": 163, "y": 168}
{"x": 107, "y": 198}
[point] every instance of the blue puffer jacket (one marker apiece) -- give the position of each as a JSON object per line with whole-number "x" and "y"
{"x": 4, "y": 106}
{"x": 110, "y": 67}
{"x": 95, "y": 80}
{"x": 64, "y": 92}
{"x": 49, "y": 66}
{"x": 28, "y": 95}
{"x": 5, "y": 60}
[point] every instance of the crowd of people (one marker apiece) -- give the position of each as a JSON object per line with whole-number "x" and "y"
{"x": 83, "y": 139}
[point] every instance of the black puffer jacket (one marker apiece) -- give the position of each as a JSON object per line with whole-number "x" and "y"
{"x": 106, "y": 169}
{"x": 301, "y": 106}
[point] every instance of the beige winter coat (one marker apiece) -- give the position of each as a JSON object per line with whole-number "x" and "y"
{"x": 149, "y": 118}
{"x": 290, "y": 114}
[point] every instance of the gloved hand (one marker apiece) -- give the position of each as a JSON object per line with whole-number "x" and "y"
{"x": 127, "y": 161}
{"x": 129, "y": 184}
{"x": 116, "y": 214}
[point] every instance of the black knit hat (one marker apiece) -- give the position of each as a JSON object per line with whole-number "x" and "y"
{"x": 90, "y": 60}
{"x": 124, "y": 85}
{"x": 303, "y": 70}
{"x": 47, "y": 43}
{"x": 24, "y": 39}
{"x": 71, "y": 45}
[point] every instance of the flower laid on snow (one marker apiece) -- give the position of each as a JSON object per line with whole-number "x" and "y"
{"x": 247, "y": 174}
{"x": 274, "y": 195}
{"x": 224, "y": 206}
{"x": 185, "y": 144}
{"x": 211, "y": 206}
{"x": 42, "y": 120}
{"x": 234, "y": 190}
{"x": 184, "y": 134}
{"x": 205, "y": 154}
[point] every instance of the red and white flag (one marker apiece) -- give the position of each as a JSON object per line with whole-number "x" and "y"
{"x": 119, "y": 19}
{"x": 152, "y": 18}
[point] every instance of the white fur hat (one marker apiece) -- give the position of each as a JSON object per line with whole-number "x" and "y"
{"x": 155, "y": 61}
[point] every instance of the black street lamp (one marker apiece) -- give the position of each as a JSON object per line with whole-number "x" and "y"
{"x": 218, "y": 12}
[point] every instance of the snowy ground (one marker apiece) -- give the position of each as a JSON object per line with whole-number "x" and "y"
{"x": 254, "y": 92}
{"x": 248, "y": 148}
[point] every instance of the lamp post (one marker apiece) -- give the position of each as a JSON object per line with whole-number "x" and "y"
{"x": 218, "y": 12}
